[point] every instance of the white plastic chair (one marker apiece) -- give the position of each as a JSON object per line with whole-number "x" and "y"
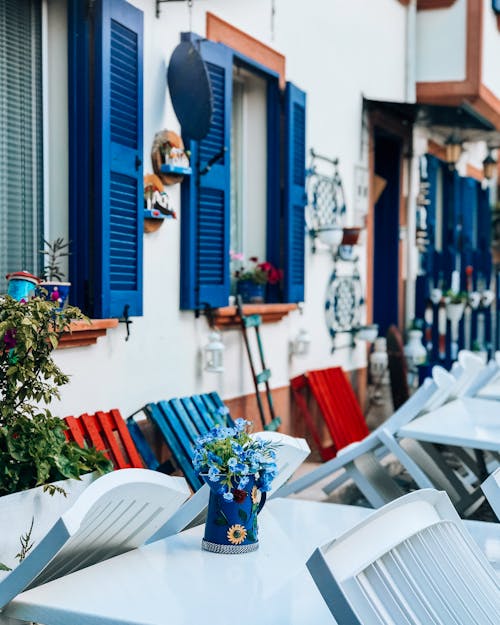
{"x": 491, "y": 488}
{"x": 410, "y": 563}
{"x": 415, "y": 405}
{"x": 116, "y": 513}
{"x": 468, "y": 374}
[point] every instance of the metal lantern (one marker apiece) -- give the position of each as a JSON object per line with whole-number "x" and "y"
{"x": 214, "y": 353}
{"x": 453, "y": 145}
{"x": 301, "y": 343}
{"x": 489, "y": 167}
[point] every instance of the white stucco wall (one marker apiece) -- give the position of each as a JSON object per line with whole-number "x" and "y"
{"x": 441, "y": 43}
{"x": 336, "y": 51}
{"x": 491, "y": 49}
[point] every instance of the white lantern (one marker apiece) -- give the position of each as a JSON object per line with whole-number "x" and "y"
{"x": 379, "y": 362}
{"x": 300, "y": 344}
{"x": 214, "y": 353}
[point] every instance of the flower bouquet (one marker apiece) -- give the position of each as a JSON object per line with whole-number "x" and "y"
{"x": 239, "y": 471}
{"x": 251, "y": 279}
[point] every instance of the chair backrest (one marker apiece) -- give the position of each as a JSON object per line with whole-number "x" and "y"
{"x": 180, "y": 421}
{"x": 466, "y": 371}
{"x": 290, "y": 454}
{"x": 409, "y": 563}
{"x": 482, "y": 379}
{"x": 338, "y": 405}
{"x": 107, "y": 432}
{"x": 116, "y": 513}
{"x": 491, "y": 488}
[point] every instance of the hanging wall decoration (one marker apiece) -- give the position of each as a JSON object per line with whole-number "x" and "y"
{"x": 169, "y": 158}
{"x": 325, "y": 203}
{"x": 157, "y": 203}
{"x": 343, "y": 302}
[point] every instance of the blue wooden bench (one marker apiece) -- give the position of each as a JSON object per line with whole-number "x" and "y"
{"x": 179, "y": 422}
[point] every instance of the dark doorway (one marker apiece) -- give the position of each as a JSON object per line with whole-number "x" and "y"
{"x": 386, "y": 232}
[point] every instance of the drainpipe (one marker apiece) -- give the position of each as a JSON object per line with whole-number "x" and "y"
{"x": 411, "y": 51}
{"x": 411, "y": 259}
{"x": 411, "y": 163}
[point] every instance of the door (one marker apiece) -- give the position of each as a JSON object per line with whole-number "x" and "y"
{"x": 386, "y": 265}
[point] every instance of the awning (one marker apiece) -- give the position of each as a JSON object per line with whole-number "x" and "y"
{"x": 464, "y": 117}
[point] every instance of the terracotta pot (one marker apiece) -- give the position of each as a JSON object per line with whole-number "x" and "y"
{"x": 351, "y": 236}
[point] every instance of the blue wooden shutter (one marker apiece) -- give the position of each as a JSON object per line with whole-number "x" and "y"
{"x": 118, "y": 204}
{"x": 205, "y": 279}
{"x": 430, "y": 261}
{"x": 469, "y": 208}
{"x": 294, "y": 193}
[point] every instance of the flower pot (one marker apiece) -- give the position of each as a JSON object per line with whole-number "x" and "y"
{"x": 251, "y": 292}
{"x": 57, "y": 292}
{"x": 350, "y": 236}
{"x": 21, "y": 285}
{"x": 414, "y": 351}
{"x": 454, "y": 311}
{"x": 330, "y": 236}
{"x": 231, "y": 526}
{"x": 18, "y": 509}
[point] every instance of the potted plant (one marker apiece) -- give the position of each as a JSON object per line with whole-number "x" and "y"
{"x": 251, "y": 279}
{"x": 53, "y": 285}
{"x": 455, "y": 304}
{"x": 239, "y": 470}
{"x": 34, "y": 452}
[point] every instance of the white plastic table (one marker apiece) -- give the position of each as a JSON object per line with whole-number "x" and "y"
{"x": 466, "y": 422}
{"x": 491, "y": 390}
{"x": 173, "y": 582}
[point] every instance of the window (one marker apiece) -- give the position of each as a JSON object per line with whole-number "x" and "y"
{"x": 21, "y": 163}
{"x": 253, "y": 196}
{"x": 249, "y": 164}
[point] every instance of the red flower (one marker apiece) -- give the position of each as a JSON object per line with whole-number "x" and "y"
{"x": 239, "y": 495}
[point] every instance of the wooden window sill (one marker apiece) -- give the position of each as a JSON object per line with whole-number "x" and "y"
{"x": 83, "y": 334}
{"x": 227, "y": 317}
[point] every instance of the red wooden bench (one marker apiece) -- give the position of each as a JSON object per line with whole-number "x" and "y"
{"x": 337, "y": 404}
{"x": 107, "y": 432}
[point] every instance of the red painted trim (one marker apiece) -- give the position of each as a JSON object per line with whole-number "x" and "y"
{"x": 427, "y": 5}
{"x": 221, "y": 31}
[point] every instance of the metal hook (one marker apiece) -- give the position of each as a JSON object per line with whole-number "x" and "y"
{"x": 126, "y": 320}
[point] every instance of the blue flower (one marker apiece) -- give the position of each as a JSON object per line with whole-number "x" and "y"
{"x": 214, "y": 458}
{"x": 228, "y": 496}
{"x": 213, "y": 474}
{"x": 240, "y": 424}
{"x": 243, "y": 482}
{"x": 232, "y": 462}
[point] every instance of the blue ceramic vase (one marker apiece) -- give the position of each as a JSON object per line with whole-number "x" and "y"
{"x": 57, "y": 292}
{"x": 250, "y": 291}
{"x": 231, "y": 526}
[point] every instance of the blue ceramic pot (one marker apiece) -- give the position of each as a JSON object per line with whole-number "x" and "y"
{"x": 21, "y": 285}
{"x": 251, "y": 292}
{"x": 57, "y": 292}
{"x": 231, "y": 526}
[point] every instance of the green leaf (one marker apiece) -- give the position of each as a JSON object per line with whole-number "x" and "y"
{"x": 221, "y": 520}
{"x": 4, "y": 567}
{"x": 243, "y": 515}
{"x": 226, "y": 520}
